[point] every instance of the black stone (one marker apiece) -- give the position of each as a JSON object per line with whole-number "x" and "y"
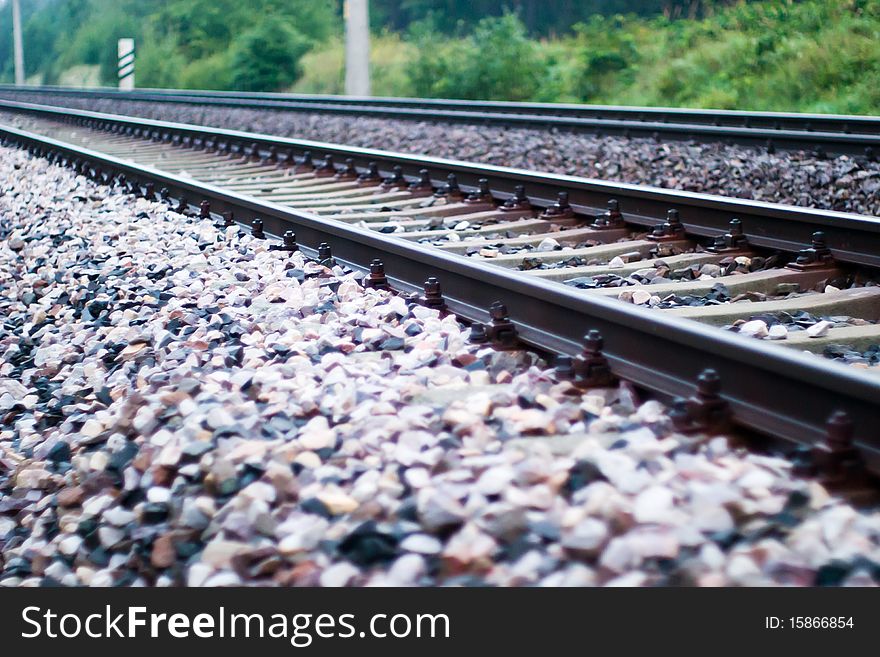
{"x": 59, "y": 453}
{"x": 316, "y": 507}
{"x": 17, "y": 567}
{"x": 408, "y": 510}
{"x": 392, "y": 344}
{"x": 155, "y": 512}
{"x": 103, "y": 396}
{"x": 366, "y": 545}
{"x": 122, "y": 457}
{"x": 833, "y": 573}
{"x": 581, "y": 474}
{"x": 99, "y": 557}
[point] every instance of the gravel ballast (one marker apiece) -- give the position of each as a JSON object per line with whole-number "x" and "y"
{"x": 183, "y": 406}
{"x": 794, "y": 178}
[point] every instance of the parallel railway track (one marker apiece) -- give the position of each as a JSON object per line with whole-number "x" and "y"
{"x": 823, "y": 134}
{"x": 485, "y": 240}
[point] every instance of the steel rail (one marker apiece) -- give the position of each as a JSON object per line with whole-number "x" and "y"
{"x": 822, "y": 133}
{"x": 851, "y": 237}
{"x": 775, "y": 391}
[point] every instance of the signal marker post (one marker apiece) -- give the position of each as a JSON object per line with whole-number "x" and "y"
{"x": 125, "y": 63}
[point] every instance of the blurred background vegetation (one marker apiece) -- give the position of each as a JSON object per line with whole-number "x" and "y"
{"x": 805, "y": 55}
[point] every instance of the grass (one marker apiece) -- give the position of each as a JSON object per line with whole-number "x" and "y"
{"x": 390, "y": 55}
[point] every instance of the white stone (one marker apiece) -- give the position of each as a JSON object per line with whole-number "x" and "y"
{"x": 339, "y": 574}
{"x": 92, "y": 428}
{"x": 118, "y": 516}
{"x": 70, "y": 544}
{"x": 547, "y": 244}
{"x": 110, "y": 536}
{"x": 494, "y": 480}
{"x": 337, "y": 502}
{"x": 421, "y": 543}
{"x": 653, "y": 505}
{"x": 198, "y": 574}
{"x": 219, "y": 417}
{"x": 407, "y": 569}
{"x": 228, "y": 578}
{"x": 777, "y": 332}
{"x": 819, "y": 329}
{"x": 159, "y": 494}
{"x": 755, "y": 328}
{"x": 317, "y": 434}
{"x": 588, "y": 536}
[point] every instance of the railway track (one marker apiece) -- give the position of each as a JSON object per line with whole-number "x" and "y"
{"x": 654, "y": 273}
{"x": 822, "y": 134}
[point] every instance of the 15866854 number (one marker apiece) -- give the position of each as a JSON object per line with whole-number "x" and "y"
{"x": 820, "y": 622}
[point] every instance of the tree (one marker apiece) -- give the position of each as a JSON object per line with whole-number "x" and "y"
{"x": 267, "y": 57}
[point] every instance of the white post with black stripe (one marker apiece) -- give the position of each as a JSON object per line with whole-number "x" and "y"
{"x": 125, "y": 63}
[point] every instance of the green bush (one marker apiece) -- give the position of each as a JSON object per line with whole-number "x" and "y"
{"x": 211, "y": 72}
{"x": 267, "y": 57}
{"x": 497, "y": 62}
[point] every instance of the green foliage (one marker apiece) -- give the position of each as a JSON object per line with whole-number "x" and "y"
{"x": 540, "y": 17}
{"x": 807, "y": 55}
{"x": 811, "y": 55}
{"x": 267, "y": 57}
{"x": 497, "y": 62}
{"x": 607, "y": 55}
{"x": 179, "y": 43}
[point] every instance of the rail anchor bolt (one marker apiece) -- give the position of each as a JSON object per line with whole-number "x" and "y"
{"x": 376, "y": 279}
{"x": 591, "y": 368}
{"x": 733, "y": 241}
{"x": 325, "y": 255}
{"x": 706, "y": 411}
{"x": 288, "y": 243}
{"x": 450, "y": 191}
{"x": 422, "y": 186}
{"x": 433, "y": 297}
{"x": 816, "y": 256}
{"x": 610, "y": 219}
{"x": 519, "y": 202}
{"x": 483, "y": 195}
{"x": 371, "y": 175}
{"x": 478, "y": 334}
{"x": 836, "y": 461}
{"x": 561, "y": 209}
{"x": 563, "y": 368}
{"x": 501, "y": 330}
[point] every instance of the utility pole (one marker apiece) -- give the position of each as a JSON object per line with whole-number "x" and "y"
{"x": 357, "y": 47}
{"x": 17, "y": 49}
